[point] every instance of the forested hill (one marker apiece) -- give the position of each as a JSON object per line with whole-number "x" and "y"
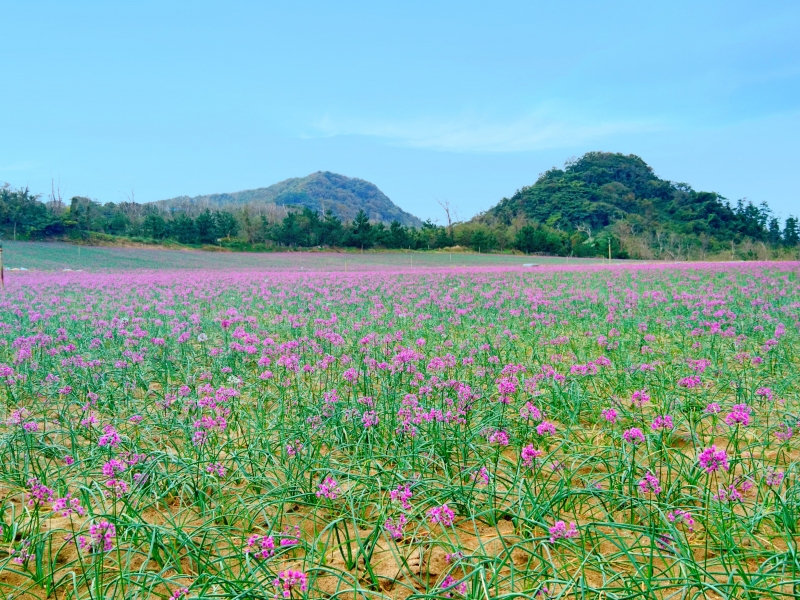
{"x": 620, "y": 195}
{"x": 322, "y": 191}
{"x": 600, "y": 204}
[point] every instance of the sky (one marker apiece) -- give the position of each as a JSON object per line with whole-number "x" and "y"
{"x": 434, "y": 102}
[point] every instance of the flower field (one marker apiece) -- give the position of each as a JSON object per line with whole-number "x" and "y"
{"x": 478, "y": 432}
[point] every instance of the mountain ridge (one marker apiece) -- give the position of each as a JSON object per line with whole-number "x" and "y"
{"x": 320, "y": 191}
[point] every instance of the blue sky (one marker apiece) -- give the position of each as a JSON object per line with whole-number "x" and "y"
{"x": 463, "y": 102}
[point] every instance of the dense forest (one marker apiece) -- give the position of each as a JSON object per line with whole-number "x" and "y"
{"x": 23, "y": 216}
{"x": 597, "y": 205}
{"x": 605, "y": 202}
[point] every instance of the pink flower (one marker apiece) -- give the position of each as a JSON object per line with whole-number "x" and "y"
{"x": 633, "y": 436}
{"x": 260, "y": 546}
{"x": 610, "y": 415}
{"x": 640, "y": 397}
{"x": 217, "y": 469}
{"x": 546, "y": 428}
{"x": 110, "y": 437}
{"x": 482, "y": 476}
{"x": 288, "y": 580}
{"x": 739, "y": 415}
{"x": 402, "y": 494}
{"x": 530, "y": 411}
{"x": 369, "y": 419}
{"x": 678, "y": 516}
{"x": 774, "y": 478}
{"x": 68, "y": 505}
{"x": 529, "y": 454}
{"x": 765, "y": 392}
{"x": 712, "y": 459}
{"x": 329, "y": 488}
{"x": 662, "y": 422}
{"x": 449, "y": 584}
{"x": 729, "y": 494}
{"x": 560, "y": 531}
{"x": 499, "y": 437}
{"x": 650, "y": 483}
{"x": 101, "y": 537}
{"x": 293, "y": 449}
{"x": 442, "y": 515}
{"x": 690, "y": 382}
{"x": 395, "y": 527}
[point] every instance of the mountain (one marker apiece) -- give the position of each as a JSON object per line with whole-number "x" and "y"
{"x": 601, "y": 189}
{"x": 321, "y": 191}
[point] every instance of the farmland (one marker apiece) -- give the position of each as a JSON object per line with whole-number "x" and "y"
{"x": 51, "y": 256}
{"x": 464, "y": 427}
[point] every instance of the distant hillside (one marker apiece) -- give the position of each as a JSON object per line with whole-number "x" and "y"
{"x": 604, "y": 191}
{"x": 321, "y": 192}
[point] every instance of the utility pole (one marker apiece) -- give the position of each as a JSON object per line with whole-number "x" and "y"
{"x": 2, "y": 274}
{"x": 609, "y": 249}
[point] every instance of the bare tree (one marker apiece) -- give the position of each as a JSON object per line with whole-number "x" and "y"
{"x": 56, "y": 203}
{"x": 449, "y": 213}
{"x": 587, "y": 229}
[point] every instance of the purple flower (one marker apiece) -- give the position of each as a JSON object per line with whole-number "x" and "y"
{"x": 449, "y": 584}
{"x": 774, "y": 478}
{"x": 529, "y": 454}
{"x": 650, "y": 484}
{"x": 395, "y": 527}
{"x": 288, "y": 580}
{"x": 546, "y": 428}
{"x": 662, "y": 422}
{"x": 369, "y": 419}
{"x": 640, "y": 397}
{"x": 110, "y": 437}
{"x": 481, "y": 476}
{"x": 739, "y": 415}
{"x": 442, "y": 515}
{"x": 633, "y": 436}
{"x": 712, "y": 459}
{"x": 560, "y": 531}
{"x": 498, "y": 437}
{"x": 681, "y": 516}
{"x": 610, "y": 415}
{"x": 260, "y": 546}
{"x": 101, "y": 538}
{"x": 329, "y": 488}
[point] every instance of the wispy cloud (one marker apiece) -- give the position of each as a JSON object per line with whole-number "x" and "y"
{"x": 469, "y": 133}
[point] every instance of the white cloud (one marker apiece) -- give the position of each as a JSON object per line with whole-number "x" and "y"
{"x": 467, "y": 133}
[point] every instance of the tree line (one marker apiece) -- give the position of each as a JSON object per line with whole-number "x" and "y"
{"x": 743, "y": 230}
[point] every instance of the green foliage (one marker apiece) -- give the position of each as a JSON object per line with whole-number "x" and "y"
{"x": 599, "y": 203}
{"x": 620, "y": 196}
{"x": 320, "y": 192}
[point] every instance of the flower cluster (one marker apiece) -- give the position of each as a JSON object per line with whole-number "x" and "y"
{"x": 560, "y": 531}
{"x": 329, "y": 488}
{"x": 289, "y": 580}
{"x": 101, "y": 538}
{"x": 713, "y": 459}
{"x": 442, "y": 515}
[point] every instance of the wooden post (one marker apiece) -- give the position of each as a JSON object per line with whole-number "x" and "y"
{"x": 2, "y": 273}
